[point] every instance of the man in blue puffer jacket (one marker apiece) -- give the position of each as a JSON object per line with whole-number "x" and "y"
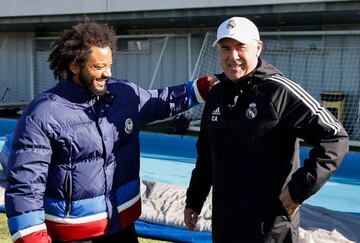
{"x": 73, "y": 171}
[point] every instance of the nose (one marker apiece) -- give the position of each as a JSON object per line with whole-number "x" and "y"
{"x": 234, "y": 54}
{"x": 107, "y": 71}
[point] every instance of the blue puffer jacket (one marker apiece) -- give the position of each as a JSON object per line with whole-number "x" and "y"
{"x": 74, "y": 168}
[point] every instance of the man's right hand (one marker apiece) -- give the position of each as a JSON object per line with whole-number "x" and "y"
{"x": 190, "y": 218}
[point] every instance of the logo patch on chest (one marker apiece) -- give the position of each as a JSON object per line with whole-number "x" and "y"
{"x": 129, "y": 126}
{"x": 215, "y": 114}
{"x": 251, "y": 111}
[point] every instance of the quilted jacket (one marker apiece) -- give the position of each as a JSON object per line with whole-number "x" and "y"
{"x": 73, "y": 171}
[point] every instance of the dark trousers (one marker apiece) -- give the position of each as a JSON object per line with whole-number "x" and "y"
{"x": 127, "y": 235}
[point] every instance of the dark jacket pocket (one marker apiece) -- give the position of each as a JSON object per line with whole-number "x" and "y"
{"x": 68, "y": 187}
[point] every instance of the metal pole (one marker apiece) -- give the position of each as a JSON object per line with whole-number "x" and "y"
{"x": 189, "y": 55}
{"x": 158, "y": 63}
{"x": 32, "y": 70}
{"x": 200, "y": 53}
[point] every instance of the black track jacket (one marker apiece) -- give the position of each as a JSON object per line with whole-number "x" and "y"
{"x": 248, "y": 150}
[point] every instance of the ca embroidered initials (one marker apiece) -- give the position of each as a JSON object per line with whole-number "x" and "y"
{"x": 215, "y": 114}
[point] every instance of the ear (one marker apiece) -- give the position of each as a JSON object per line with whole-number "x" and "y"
{"x": 259, "y": 48}
{"x": 74, "y": 68}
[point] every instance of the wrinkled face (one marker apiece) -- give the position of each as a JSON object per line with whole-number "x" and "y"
{"x": 95, "y": 72}
{"x": 238, "y": 59}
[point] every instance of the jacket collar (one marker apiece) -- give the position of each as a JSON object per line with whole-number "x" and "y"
{"x": 77, "y": 94}
{"x": 262, "y": 71}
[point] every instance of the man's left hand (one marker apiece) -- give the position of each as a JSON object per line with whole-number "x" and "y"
{"x": 289, "y": 205}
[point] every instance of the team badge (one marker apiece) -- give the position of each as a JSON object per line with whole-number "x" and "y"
{"x": 251, "y": 111}
{"x": 231, "y": 24}
{"x": 129, "y": 126}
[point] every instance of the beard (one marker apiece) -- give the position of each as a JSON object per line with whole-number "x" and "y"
{"x": 87, "y": 81}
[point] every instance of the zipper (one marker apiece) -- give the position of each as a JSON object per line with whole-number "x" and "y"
{"x": 102, "y": 141}
{"x": 69, "y": 184}
{"x": 104, "y": 149}
{"x": 68, "y": 191}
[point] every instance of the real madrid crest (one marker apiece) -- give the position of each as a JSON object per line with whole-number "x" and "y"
{"x": 251, "y": 111}
{"x": 231, "y": 24}
{"x": 129, "y": 126}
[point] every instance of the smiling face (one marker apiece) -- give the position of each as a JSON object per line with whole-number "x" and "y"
{"x": 238, "y": 59}
{"x": 96, "y": 70}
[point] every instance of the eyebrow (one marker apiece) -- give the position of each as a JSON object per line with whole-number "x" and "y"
{"x": 235, "y": 46}
{"x": 101, "y": 64}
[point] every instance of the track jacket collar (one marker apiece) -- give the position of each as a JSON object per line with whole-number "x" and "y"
{"x": 77, "y": 94}
{"x": 262, "y": 71}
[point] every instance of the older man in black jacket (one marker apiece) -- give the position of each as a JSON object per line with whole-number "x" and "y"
{"x": 248, "y": 147}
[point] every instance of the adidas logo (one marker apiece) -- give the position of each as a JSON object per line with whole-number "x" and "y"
{"x": 216, "y": 112}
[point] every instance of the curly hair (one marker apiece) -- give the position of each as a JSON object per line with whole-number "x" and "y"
{"x": 74, "y": 45}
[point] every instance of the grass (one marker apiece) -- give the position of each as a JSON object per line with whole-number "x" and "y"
{"x": 5, "y": 236}
{"x": 4, "y": 232}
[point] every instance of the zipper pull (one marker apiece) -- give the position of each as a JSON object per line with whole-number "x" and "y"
{"x": 231, "y": 106}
